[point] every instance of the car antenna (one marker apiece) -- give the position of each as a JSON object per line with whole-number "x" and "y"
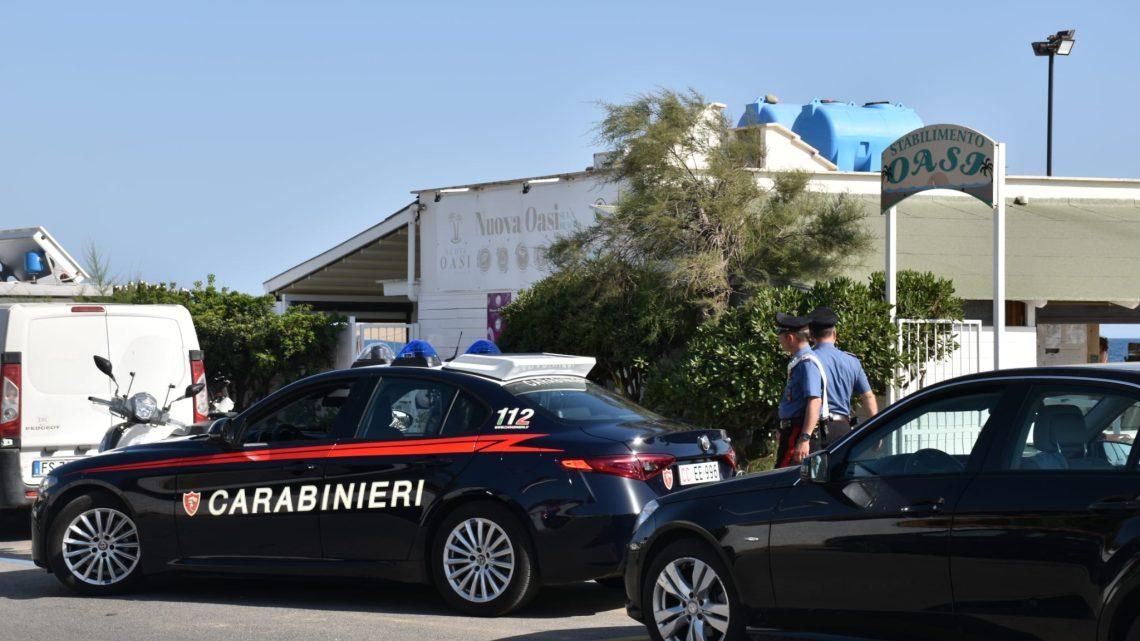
{"x": 457, "y": 344}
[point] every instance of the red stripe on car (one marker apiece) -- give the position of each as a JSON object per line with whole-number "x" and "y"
{"x": 492, "y": 444}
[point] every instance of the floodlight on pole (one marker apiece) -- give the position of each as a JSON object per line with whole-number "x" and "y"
{"x": 1058, "y": 44}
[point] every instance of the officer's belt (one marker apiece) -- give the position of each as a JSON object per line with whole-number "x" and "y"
{"x": 793, "y": 423}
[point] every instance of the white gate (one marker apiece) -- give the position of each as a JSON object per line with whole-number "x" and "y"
{"x": 937, "y": 350}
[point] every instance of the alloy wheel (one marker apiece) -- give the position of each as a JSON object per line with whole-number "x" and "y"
{"x": 101, "y": 546}
{"x": 690, "y": 602}
{"x": 478, "y": 560}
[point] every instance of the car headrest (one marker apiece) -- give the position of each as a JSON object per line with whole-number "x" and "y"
{"x": 573, "y": 413}
{"x": 423, "y": 399}
{"x": 1058, "y": 426}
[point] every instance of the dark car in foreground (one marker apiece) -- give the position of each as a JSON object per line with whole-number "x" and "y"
{"x": 487, "y": 476}
{"x": 995, "y": 506}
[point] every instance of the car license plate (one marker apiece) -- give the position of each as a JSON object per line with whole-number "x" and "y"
{"x": 695, "y": 473}
{"x": 43, "y": 467}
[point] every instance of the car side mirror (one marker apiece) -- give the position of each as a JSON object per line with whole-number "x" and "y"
{"x": 816, "y": 468}
{"x": 224, "y": 430}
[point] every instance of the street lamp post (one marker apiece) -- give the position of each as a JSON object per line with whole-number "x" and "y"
{"x": 1058, "y": 44}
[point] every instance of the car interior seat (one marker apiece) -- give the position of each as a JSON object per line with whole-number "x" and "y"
{"x": 1063, "y": 438}
{"x": 1051, "y": 421}
{"x": 429, "y": 419}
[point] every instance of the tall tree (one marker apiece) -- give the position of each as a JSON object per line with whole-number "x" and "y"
{"x": 692, "y": 208}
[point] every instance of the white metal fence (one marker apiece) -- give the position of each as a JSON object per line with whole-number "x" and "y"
{"x": 938, "y": 350}
{"x": 952, "y": 432}
{"x": 932, "y": 358}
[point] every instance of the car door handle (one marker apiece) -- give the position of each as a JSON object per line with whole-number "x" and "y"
{"x": 1115, "y": 505}
{"x": 925, "y": 507}
{"x": 298, "y": 469}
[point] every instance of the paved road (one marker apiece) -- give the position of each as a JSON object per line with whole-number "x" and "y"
{"x": 34, "y": 606}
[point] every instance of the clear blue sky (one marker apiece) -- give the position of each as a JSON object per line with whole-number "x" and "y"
{"x": 241, "y": 138}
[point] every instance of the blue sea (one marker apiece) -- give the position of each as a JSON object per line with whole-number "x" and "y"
{"x": 1118, "y": 348}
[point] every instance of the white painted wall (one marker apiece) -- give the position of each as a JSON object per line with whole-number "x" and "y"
{"x": 493, "y": 239}
{"x": 1019, "y": 349}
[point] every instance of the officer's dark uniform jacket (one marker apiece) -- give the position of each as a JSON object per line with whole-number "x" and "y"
{"x": 845, "y": 376}
{"x": 806, "y": 380}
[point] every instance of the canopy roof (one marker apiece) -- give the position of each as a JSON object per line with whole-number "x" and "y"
{"x": 1056, "y": 249}
{"x": 354, "y": 267}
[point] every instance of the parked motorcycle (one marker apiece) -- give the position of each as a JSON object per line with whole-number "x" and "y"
{"x": 143, "y": 420}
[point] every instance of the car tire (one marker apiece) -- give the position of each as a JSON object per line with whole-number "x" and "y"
{"x": 94, "y": 546}
{"x": 672, "y": 606}
{"x": 483, "y": 562}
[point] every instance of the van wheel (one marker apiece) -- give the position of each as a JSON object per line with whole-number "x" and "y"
{"x": 482, "y": 561}
{"x": 94, "y": 546}
{"x": 688, "y": 594}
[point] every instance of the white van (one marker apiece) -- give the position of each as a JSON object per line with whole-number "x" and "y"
{"x": 47, "y": 371}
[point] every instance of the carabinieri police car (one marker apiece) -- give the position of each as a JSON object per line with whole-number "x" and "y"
{"x": 487, "y": 476}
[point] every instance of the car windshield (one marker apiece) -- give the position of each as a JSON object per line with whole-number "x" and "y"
{"x": 573, "y": 399}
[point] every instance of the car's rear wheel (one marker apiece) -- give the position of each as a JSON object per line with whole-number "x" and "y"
{"x": 95, "y": 547}
{"x": 688, "y": 596}
{"x": 482, "y": 561}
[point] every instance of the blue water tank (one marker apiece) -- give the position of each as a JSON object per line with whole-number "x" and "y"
{"x": 854, "y": 137}
{"x": 768, "y": 109}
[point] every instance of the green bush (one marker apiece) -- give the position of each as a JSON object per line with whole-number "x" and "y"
{"x": 244, "y": 338}
{"x": 732, "y": 371}
{"x": 626, "y": 326}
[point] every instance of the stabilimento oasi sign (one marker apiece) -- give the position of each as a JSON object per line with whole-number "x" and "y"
{"x": 938, "y": 157}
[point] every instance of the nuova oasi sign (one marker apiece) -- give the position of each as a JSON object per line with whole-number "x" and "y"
{"x": 938, "y": 157}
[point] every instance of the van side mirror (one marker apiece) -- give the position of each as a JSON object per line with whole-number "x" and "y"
{"x": 104, "y": 366}
{"x": 816, "y": 468}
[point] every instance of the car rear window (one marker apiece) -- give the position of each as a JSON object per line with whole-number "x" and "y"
{"x": 573, "y": 399}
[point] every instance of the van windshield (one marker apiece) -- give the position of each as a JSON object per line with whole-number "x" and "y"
{"x": 573, "y": 399}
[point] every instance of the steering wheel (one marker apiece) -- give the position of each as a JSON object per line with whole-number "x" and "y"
{"x": 287, "y": 432}
{"x": 932, "y": 461}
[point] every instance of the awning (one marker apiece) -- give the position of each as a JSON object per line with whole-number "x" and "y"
{"x": 354, "y": 267}
{"x": 1056, "y": 249}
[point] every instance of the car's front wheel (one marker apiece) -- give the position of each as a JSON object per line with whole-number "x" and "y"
{"x": 95, "y": 546}
{"x": 688, "y": 595}
{"x": 482, "y": 561}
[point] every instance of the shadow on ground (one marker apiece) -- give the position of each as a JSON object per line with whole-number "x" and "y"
{"x": 331, "y": 595}
{"x": 615, "y": 633}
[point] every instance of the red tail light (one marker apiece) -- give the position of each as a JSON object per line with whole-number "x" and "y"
{"x": 730, "y": 458}
{"x": 198, "y": 375}
{"x": 9, "y": 403}
{"x": 638, "y": 466}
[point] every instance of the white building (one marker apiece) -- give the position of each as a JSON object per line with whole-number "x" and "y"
{"x": 440, "y": 266}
